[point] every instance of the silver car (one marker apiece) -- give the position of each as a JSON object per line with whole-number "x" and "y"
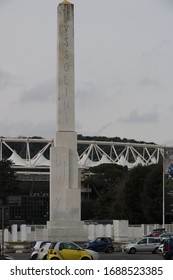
{"x": 144, "y": 244}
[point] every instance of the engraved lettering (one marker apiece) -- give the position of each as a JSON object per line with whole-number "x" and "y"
{"x": 66, "y": 56}
{"x": 66, "y": 28}
{"x": 66, "y": 80}
{"x": 66, "y": 67}
{"x": 66, "y": 42}
{"x": 66, "y": 13}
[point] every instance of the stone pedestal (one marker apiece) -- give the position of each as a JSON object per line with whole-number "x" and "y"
{"x": 65, "y": 198}
{"x": 66, "y": 231}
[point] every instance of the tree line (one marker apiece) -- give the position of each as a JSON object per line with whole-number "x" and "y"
{"x": 119, "y": 193}
{"x": 116, "y": 192}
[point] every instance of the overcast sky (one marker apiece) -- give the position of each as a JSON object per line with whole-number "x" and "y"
{"x": 123, "y": 68}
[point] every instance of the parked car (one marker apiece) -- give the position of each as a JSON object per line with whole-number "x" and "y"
{"x": 100, "y": 244}
{"x": 156, "y": 232}
{"x": 94, "y": 254}
{"x": 144, "y": 244}
{"x": 35, "y": 248}
{"x": 43, "y": 251}
{"x": 163, "y": 236}
{"x": 6, "y": 257}
{"x": 168, "y": 249}
{"x": 160, "y": 249}
{"x": 166, "y": 235}
{"x": 67, "y": 251}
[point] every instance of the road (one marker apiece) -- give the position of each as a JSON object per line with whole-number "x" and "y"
{"x": 112, "y": 256}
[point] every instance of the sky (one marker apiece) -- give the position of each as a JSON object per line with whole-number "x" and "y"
{"x": 123, "y": 68}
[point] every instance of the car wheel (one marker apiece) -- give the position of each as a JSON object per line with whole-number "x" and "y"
{"x": 34, "y": 257}
{"x": 45, "y": 257}
{"x": 54, "y": 258}
{"x": 85, "y": 258}
{"x": 109, "y": 250}
{"x": 132, "y": 251}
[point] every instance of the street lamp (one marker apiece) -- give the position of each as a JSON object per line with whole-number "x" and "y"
{"x": 163, "y": 192}
{"x": 2, "y": 224}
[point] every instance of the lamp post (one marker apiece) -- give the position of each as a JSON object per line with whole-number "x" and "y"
{"x": 2, "y": 225}
{"x": 163, "y": 201}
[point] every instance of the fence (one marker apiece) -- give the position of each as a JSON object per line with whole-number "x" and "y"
{"x": 119, "y": 231}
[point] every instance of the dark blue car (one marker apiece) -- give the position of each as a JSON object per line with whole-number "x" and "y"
{"x": 100, "y": 244}
{"x": 168, "y": 249}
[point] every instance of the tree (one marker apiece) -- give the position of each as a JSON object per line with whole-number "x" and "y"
{"x": 153, "y": 195}
{"x": 143, "y": 194}
{"x": 7, "y": 180}
{"x": 133, "y": 194}
{"x": 106, "y": 182}
{"x": 87, "y": 209}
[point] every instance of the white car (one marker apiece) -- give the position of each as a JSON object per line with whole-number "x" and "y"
{"x": 43, "y": 251}
{"x": 94, "y": 254}
{"x": 35, "y": 248}
{"x": 160, "y": 249}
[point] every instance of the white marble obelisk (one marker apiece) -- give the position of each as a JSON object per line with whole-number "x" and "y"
{"x": 65, "y": 195}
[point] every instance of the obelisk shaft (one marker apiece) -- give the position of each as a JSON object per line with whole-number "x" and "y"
{"x": 65, "y": 71}
{"x": 64, "y": 188}
{"x": 66, "y": 136}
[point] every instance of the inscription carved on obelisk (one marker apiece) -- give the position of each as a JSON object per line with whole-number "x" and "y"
{"x": 65, "y": 51}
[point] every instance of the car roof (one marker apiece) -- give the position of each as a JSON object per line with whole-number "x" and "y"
{"x": 38, "y": 243}
{"x": 169, "y": 233}
{"x": 143, "y": 237}
{"x": 158, "y": 229}
{"x": 47, "y": 244}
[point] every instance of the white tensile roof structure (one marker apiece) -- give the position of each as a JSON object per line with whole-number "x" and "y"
{"x": 94, "y": 153}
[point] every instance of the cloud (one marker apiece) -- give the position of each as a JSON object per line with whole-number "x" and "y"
{"x": 4, "y": 1}
{"x": 148, "y": 81}
{"x": 43, "y": 129}
{"x": 102, "y": 129}
{"x": 44, "y": 92}
{"x": 85, "y": 94}
{"x": 135, "y": 117}
{"x": 123, "y": 69}
{"x": 5, "y": 79}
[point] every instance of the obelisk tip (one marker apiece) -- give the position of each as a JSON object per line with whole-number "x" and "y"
{"x": 65, "y": 2}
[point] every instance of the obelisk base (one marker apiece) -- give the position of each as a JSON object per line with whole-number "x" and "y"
{"x": 66, "y": 231}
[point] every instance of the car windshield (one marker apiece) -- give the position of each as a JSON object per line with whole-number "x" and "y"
{"x": 70, "y": 246}
{"x": 136, "y": 240}
{"x": 52, "y": 245}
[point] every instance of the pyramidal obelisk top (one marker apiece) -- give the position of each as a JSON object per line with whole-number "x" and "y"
{"x": 65, "y": 2}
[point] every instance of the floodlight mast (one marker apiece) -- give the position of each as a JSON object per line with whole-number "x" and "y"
{"x": 163, "y": 192}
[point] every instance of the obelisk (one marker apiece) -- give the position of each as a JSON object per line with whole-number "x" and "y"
{"x": 65, "y": 194}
